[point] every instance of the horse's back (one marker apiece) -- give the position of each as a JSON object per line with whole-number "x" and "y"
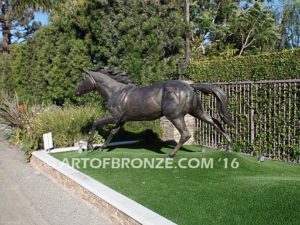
{"x": 168, "y": 98}
{"x": 137, "y": 103}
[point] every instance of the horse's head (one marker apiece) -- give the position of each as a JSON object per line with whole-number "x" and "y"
{"x": 87, "y": 85}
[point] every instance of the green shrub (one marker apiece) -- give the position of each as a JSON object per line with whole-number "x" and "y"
{"x": 47, "y": 68}
{"x": 274, "y": 66}
{"x": 68, "y": 125}
{"x": 5, "y": 61}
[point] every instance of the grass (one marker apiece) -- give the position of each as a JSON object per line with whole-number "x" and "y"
{"x": 254, "y": 193}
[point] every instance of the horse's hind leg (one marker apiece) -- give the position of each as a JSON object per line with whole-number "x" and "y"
{"x": 112, "y": 133}
{"x": 204, "y": 116}
{"x": 179, "y": 123}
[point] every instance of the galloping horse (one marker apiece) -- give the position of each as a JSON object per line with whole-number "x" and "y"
{"x": 172, "y": 99}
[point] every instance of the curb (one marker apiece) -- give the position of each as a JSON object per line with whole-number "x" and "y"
{"x": 118, "y": 208}
{"x": 76, "y": 148}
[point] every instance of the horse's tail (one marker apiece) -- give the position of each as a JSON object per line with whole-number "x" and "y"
{"x": 222, "y": 101}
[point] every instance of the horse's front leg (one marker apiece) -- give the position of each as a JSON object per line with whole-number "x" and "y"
{"x": 103, "y": 121}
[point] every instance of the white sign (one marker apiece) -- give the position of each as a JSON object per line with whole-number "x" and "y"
{"x": 48, "y": 142}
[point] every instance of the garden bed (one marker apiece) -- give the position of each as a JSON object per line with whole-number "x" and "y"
{"x": 253, "y": 193}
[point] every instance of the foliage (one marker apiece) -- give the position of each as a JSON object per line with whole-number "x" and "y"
{"x": 229, "y": 28}
{"x": 98, "y": 139}
{"x": 276, "y": 108}
{"x": 266, "y": 117}
{"x": 289, "y": 20}
{"x": 141, "y": 37}
{"x": 68, "y": 125}
{"x": 47, "y": 68}
{"x": 14, "y": 114}
{"x": 5, "y": 69}
{"x": 283, "y": 65}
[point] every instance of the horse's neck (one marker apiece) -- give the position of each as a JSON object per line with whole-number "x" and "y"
{"x": 106, "y": 86}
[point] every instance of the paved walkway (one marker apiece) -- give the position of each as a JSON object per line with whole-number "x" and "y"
{"x": 29, "y": 198}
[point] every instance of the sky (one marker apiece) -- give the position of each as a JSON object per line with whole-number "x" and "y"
{"x": 39, "y": 16}
{"x": 42, "y": 17}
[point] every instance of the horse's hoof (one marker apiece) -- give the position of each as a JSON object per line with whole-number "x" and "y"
{"x": 170, "y": 156}
{"x": 90, "y": 148}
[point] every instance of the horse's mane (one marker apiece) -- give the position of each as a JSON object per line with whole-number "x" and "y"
{"x": 122, "y": 77}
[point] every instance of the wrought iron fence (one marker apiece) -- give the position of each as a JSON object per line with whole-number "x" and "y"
{"x": 266, "y": 115}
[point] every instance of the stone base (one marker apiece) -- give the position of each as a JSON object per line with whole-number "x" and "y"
{"x": 171, "y": 133}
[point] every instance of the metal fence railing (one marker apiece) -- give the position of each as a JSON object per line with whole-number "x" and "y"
{"x": 266, "y": 115}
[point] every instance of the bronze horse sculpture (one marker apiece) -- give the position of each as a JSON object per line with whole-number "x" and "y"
{"x": 172, "y": 99}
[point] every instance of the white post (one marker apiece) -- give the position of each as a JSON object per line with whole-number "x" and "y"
{"x": 48, "y": 141}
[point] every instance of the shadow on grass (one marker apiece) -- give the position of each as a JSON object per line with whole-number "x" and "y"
{"x": 148, "y": 140}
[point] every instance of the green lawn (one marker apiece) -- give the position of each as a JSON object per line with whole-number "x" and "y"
{"x": 254, "y": 193}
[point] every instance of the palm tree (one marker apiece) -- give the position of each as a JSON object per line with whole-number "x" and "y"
{"x": 14, "y": 12}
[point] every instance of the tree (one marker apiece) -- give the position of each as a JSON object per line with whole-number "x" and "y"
{"x": 229, "y": 28}
{"x": 16, "y": 20}
{"x": 144, "y": 38}
{"x": 289, "y": 20}
{"x": 255, "y": 28}
{"x": 211, "y": 25}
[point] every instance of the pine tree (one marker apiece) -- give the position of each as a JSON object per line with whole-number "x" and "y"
{"x": 16, "y": 20}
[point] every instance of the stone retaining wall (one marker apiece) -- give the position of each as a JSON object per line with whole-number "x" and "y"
{"x": 114, "y": 206}
{"x": 169, "y": 132}
{"x": 115, "y": 216}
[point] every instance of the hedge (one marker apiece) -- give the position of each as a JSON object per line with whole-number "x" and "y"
{"x": 4, "y": 69}
{"x": 272, "y": 66}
